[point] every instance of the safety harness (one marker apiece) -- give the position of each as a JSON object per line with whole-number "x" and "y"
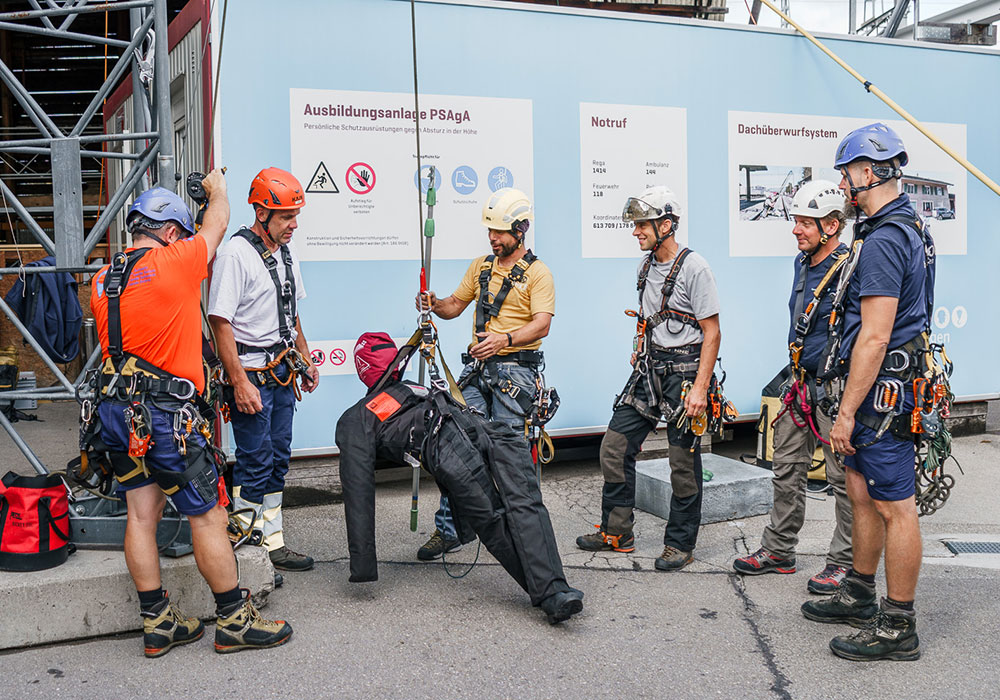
{"x": 129, "y": 379}
{"x": 539, "y": 406}
{"x": 652, "y": 361}
{"x": 284, "y": 350}
{"x": 800, "y": 398}
{"x": 918, "y": 365}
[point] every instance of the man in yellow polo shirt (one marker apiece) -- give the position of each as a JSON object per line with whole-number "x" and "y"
{"x": 515, "y": 301}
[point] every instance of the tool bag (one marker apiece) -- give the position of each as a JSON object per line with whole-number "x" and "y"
{"x": 8, "y": 368}
{"x": 34, "y": 522}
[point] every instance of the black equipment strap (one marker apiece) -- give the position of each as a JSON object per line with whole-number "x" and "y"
{"x": 800, "y": 288}
{"x": 114, "y": 285}
{"x": 669, "y": 282}
{"x": 486, "y": 310}
{"x": 914, "y": 222}
{"x": 285, "y": 293}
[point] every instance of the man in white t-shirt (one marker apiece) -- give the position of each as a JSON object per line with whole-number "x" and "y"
{"x": 677, "y": 343}
{"x": 256, "y": 286}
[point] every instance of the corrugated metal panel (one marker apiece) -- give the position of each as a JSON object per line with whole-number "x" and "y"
{"x": 188, "y": 111}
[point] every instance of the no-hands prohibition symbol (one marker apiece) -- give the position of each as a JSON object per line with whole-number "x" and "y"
{"x": 360, "y": 178}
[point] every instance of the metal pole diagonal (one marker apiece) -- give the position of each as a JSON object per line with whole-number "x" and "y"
{"x": 979, "y": 174}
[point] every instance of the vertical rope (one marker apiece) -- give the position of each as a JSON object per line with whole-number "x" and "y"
{"x": 416, "y": 114}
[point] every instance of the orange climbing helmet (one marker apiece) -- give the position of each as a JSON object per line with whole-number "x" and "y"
{"x": 274, "y": 188}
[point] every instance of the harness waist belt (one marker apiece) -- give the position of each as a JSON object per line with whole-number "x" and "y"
{"x": 522, "y": 357}
{"x": 175, "y": 387}
{"x": 658, "y": 352}
{"x": 243, "y": 348}
{"x": 899, "y": 427}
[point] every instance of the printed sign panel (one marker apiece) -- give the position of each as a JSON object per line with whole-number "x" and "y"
{"x": 361, "y": 150}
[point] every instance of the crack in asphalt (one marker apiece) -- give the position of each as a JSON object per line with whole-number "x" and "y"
{"x": 781, "y": 682}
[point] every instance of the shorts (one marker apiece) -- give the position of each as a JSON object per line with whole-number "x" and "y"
{"x": 197, "y": 496}
{"x": 888, "y": 465}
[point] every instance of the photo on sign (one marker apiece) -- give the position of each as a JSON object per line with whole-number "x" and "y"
{"x": 766, "y": 191}
{"x": 932, "y": 194}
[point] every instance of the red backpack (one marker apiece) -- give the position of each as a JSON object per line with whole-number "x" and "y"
{"x": 34, "y": 522}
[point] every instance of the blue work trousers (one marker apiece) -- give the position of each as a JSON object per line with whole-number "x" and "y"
{"x": 264, "y": 441}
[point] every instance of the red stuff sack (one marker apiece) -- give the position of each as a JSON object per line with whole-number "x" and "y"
{"x": 374, "y": 354}
{"x": 34, "y": 522}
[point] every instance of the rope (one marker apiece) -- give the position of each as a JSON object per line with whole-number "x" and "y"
{"x": 416, "y": 114}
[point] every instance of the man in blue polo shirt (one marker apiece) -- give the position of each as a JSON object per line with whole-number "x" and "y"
{"x": 887, "y": 314}
{"x": 819, "y": 210}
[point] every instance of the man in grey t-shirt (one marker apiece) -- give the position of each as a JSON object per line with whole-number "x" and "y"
{"x": 678, "y": 344}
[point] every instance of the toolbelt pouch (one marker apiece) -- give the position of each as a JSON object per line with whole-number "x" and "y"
{"x": 8, "y": 368}
{"x": 34, "y": 523}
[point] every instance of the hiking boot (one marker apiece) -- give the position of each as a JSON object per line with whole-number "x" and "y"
{"x": 285, "y": 559}
{"x": 892, "y": 634}
{"x": 673, "y": 559}
{"x": 561, "y": 606}
{"x": 437, "y": 546}
{"x": 827, "y": 581}
{"x": 853, "y": 604}
{"x": 763, "y": 562}
{"x": 601, "y": 541}
{"x": 242, "y": 627}
{"x": 164, "y": 628}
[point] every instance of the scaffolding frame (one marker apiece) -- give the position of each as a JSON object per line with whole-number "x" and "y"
{"x": 70, "y": 244}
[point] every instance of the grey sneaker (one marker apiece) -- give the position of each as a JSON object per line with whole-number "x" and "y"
{"x": 673, "y": 559}
{"x": 891, "y": 634}
{"x": 853, "y": 604}
{"x": 285, "y": 559}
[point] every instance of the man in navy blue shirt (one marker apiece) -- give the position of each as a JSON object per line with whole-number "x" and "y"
{"x": 819, "y": 210}
{"x": 887, "y": 314}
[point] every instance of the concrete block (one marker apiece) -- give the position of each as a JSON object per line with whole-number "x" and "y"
{"x": 737, "y": 490}
{"x": 92, "y": 594}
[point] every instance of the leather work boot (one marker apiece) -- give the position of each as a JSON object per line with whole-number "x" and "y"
{"x": 763, "y": 562}
{"x": 437, "y": 546}
{"x": 827, "y": 581}
{"x": 562, "y": 606}
{"x": 673, "y": 559}
{"x": 601, "y": 541}
{"x": 892, "y": 635}
{"x": 164, "y": 628}
{"x": 285, "y": 559}
{"x": 853, "y": 604}
{"x": 241, "y": 627}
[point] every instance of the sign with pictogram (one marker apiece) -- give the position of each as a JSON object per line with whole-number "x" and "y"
{"x": 338, "y": 356}
{"x": 318, "y": 357}
{"x": 322, "y": 182}
{"x": 361, "y": 178}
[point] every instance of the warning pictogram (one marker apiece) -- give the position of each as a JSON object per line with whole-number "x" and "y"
{"x": 322, "y": 181}
{"x": 318, "y": 357}
{"x": 361, "y": 178}
{"x": 338, "y": 356}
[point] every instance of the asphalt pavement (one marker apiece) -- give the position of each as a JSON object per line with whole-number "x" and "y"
{"x": 702, "y": 632}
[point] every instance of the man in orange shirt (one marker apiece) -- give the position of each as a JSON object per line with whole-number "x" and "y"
{"x": 147, "y": 310}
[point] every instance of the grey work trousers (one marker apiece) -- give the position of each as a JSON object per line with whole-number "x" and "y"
{"x": 793, "y": 451}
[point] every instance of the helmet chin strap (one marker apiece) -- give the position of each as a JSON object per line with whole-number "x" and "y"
{"x": 659, "y": 238}
{"x": 267, "y": 230}
{"x": 855, "y": 189}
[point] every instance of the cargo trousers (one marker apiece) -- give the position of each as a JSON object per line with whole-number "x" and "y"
{"x": 793, "y": 450}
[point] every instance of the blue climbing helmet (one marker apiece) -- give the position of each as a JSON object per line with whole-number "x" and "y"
{"x": 875, "y": 142}
{"x": 154, "y": 208}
